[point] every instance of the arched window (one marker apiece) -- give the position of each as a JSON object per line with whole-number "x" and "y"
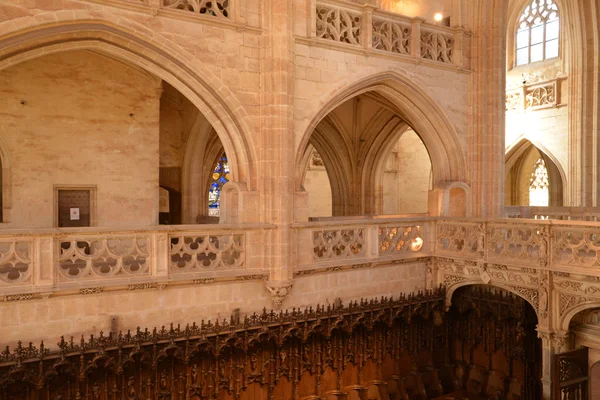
{"x": 219, "y": 177}
{"x": 537, "y": 32}
{"x": 538, "y": 185}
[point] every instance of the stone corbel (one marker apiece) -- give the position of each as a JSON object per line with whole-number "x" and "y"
{"x": 278, "y": 291}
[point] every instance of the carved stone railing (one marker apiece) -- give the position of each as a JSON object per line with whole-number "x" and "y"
{"x": 530, "y": 97}
{"x": 333, "y": 242}
{"x": 215, "y": 8}
{"x": 560, "y": 213}
{"x": 44, "y": 261}
{"x": 375, "y": 31}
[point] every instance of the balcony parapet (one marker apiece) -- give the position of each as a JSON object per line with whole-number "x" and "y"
{"x": 45, "y": 262}
{"x": 557, "y": 213}
{"x": 365, "y": 29}
{"x": 91, "y": 260}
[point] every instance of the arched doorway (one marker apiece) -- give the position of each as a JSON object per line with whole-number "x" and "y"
{"x": 493, "y": 344}
{"x": 180, "y": 73}
{"x": 356, "y": 129}
{"x": 533, "y": 178}
{"x": 370, "y": 158}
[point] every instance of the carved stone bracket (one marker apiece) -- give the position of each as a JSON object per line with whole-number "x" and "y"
{"x": 278, "y": 291}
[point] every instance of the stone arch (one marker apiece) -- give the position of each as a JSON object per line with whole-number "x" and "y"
{"x": 569, "y": 313}
{"x": 452, "y": 288}
{"x": 202, "y": 151}
{"x": 416, "y": 107}
{"x": 28, "y": 38}
{"x": 556, "y": 172}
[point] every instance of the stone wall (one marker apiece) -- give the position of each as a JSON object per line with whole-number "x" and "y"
{"x": 81, "y": 118}
{"x": 316, "y": 183}
{"x": 408, "y": 176}
{"x": 76, "y": 314}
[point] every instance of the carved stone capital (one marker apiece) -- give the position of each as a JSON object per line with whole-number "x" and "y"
{"x": 278, "y": 291}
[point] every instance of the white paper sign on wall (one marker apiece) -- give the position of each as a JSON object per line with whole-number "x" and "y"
{"x": 74, "y": 214}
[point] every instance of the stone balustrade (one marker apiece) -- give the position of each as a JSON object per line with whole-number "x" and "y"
{"x": 381, "y": 32}
{"x": 37, "y": 261}
{"x": 45, "y": 261}
{"x": 559, "y": 213}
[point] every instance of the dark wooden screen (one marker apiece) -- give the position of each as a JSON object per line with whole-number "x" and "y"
{"x": 570, "y": 375}
{"x": 70, "y": 199}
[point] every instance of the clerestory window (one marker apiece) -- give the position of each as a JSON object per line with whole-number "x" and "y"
{"x": 537, "y": 33}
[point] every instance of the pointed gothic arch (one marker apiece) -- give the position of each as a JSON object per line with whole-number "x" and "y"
{"x": 406, "y": 105}
{"x": 414, "y": 106}
{"x": 106, "y": 33}
{"x": 517, "y": 169}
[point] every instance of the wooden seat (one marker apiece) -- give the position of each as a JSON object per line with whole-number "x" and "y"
{"x": 413, "y": 384}
{"x": 431, "y": 382}
{"x": 335, "y": 395}
{"x": 356, "y": 392}
{"x": 514, "y": 390}
{"x": 377, "y": 390}
{"x": 477, "y": 379}
{"x": 395, "y": 388}
{"x": 496, "y": 385}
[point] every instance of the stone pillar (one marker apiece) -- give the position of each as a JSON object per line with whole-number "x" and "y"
{"x": 553, "y": 342}
{"x": 486, "y": 133}
{"x": 277, "y": 138}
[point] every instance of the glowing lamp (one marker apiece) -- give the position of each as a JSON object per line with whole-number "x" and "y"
{"x": 416, "y": 244}
{"x": 438, "y": 17}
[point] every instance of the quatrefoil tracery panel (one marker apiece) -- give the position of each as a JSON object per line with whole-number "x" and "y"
{"x": 89, "y": 258}
{"x": 15, "y": 262}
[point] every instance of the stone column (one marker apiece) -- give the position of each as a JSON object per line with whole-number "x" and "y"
{"x": 553, "y": 342}
{"x": 277, "y": 141}
{"x": 486, "y": 134}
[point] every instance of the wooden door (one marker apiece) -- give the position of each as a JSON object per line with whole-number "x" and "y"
{"x": 570, "y": 375}
{"x": 74, "y": 208}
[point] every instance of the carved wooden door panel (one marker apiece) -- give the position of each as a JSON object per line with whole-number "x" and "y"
{"x": 74, "y": 208}
{"x": 570, "y": 375}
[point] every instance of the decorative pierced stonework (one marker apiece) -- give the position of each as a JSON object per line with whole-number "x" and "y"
{"x": 576, "y": 246}
{"x": 513, "y": 101}
{"x": 541, "y": 96}
{"x": 342, "y": 243}
{"x": 92, "y": 258}
{"x": 216, "y": 8}
{"x": 18, "y": 297}
{"x": 140, "y": 286}
{"x": 15, "y": 262}
{"x": 508, "y": 241}
{"x": 458, "y": 238}
{"x": 205, "y": 281}
{"x": 400, "y": 239}
{"x": 339, "y": 25}
{"x": 437, "y": 47}
{"x": 195, "y": 253}
{"x": 567, "y": 301}
{"x": 391, "y": 36}
{"x": 93, "y": 290}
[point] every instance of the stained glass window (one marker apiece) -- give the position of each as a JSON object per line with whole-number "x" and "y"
{"x": 538, "y": 185}
{"x": 220, "y": 176}
{"x": 537, "y": 33}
